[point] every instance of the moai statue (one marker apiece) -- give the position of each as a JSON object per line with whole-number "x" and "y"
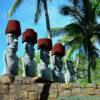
{"x": 70, "y": 72}
{"x": 58, "y": 51}
{"x": 13, "y": 31}
{"x": 29, "y": 39}
{"x": 45, "y": 45}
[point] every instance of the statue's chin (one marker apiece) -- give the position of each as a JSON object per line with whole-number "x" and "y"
{"x": 12, "y": 48}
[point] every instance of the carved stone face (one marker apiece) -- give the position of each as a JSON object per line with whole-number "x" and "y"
{"x": 12, "y": 41}
{"x": 44, "y": 55}
{"x": 57, "y": 60}
{"x": 28, "y": 47}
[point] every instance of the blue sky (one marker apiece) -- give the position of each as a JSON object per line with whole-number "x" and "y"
{"x": 25, "y": 14}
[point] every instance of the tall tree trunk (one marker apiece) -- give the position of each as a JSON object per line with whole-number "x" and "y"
{"x": 47, "y": 18}
{"x": 89, "y": 72}
{"x": 89, "y": 61}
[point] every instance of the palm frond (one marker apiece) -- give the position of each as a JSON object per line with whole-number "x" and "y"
{"x": 57, "y": 31}
{"x": 89, "y": 13}
{"x": 73, "y": 41}
{"x": 97, "y": 28}
{"x": 74, "y": 28}
{"x": 96, "y": 6}
{"x": 71, "y": 50}
{"x": 72, "y": 11}
{"x": 38, "y": 11}
{"x": 75, "y": 2}
{"x": 14, "y": 7}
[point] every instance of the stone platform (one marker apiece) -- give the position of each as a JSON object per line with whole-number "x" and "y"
{"x": 25, "y": 88}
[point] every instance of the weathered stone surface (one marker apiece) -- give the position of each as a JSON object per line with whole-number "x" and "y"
{"x": 52, "y": 99}
{"x": 91, "y": 85}
{"x": 97, "y": 91}
{"x": 52, "y": 93}
{"x": 76, "y": 91}
{"x": 98, "y": 86}
{"x": 88, "y": 91}
{"x": 18, "y": 80}
{"x": 65, "y": 93}
{"x": 64, "y": 86}
{"x": 4, "y": 97}
{"x": 18, "y": 96}
{"x": 22, "y": 88}
{"x": 28, "y": 89}
{"x": 33, "y": 95}
{"x": 27, "y": 80}
{"x": 6, "y": 79}
{"x": 14, "y": 88}
{"x": 75, "y": 85}
{"x": 3, "y": 89}
{"x": 54, "y": 85}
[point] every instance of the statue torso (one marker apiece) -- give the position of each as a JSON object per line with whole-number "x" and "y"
{"x": 11, "y": 60}
{"x": 58, "y": 76}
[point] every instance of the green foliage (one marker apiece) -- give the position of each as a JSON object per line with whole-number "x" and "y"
{"x": 96, "y": 5}
{"x": 37, "y": 58}
{"x": 96, "y": 72}
{"x": 20, "y": 71}
{"x": 14, "y": 7}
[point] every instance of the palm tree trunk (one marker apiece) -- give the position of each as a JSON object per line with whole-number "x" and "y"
{"x": 89, "y": 73}
{"x": 47, "y": 18}
{"x": 89, "y": 61}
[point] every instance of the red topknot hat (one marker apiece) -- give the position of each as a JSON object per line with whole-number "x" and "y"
{"x": 58, "y": 49}
{"x": 13, "y": 27}
{"x": 45, "y": 43}
{"x": 29, "y": 36}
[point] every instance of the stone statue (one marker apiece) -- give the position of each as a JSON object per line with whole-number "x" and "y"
{"x": 57, "y": 73}
{"x": 29, "y": 39}
{"x": 10, "y": 58}
{"x": 44, "y": 70}
{"x": 70, "y": 72}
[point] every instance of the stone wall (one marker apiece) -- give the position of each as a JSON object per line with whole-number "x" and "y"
{"x": 24, "y": 88}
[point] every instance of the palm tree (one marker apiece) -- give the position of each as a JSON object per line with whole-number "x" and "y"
{"x": 82, "y": 30}
{"x": 40, "y": 3}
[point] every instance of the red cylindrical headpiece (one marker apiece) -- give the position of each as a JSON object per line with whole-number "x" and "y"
{"x": 45, "y": 43}
{"x": 13, "y": 27}
{"x": 58, "y": 49}
{"x": 29, "y": 36}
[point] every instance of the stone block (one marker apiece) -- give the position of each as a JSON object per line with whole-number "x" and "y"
{"x": 4, "y": 97}
{"x": 76, "y": 85}
{"x": 64, "y": 93}
{"x": 14, "y": 88}
{"x": 18, "y": 96}
{"x": 97, "y": 92}
{"x": 91, "y": 85}
{"x": 33, "y": 95}
{"x": 6, "y": 79}
{"x": 52, "y": 93}
{"x": 76, "y": 91}
{"x": 18, "y": 80}
{"x": 3, "y": 89}
{"x": 64, "y": 86}
{"x": 27, "y": 80}
{"x": 88, "y": 91}
{"x": 29, "y": 88}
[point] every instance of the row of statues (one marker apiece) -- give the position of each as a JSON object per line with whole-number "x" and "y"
{"x": 48, "y": 70}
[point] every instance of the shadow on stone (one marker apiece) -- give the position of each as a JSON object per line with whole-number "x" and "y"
{"x": 41, "y": 80}
{"x": 45, "y": 91}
